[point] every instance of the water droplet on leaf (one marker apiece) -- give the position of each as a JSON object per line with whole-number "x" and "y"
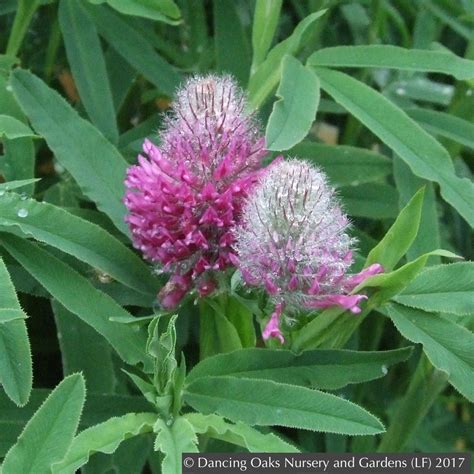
{"x": 22, "y": 212}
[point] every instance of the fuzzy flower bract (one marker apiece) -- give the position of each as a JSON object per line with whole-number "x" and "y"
{"x": 184, "y": 195}
{"x": 293, "y": 241}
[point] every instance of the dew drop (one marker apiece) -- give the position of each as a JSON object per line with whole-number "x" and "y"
{"x": 2, "y": 192}
{"x": 24, "y": 196}
{"x": 22, "y": 212}
{"x": 469, "y": 92}
{"x": 9, "y": 88}
{"x": 400, "y": 91}
{"x": 169, "y": 421}
{"x": 384, "y": 369}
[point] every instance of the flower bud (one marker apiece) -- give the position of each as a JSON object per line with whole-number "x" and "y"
{"x": 293, "y": 242}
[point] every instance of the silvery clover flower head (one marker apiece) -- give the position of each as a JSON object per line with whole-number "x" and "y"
{"x": 293, "y": 241}
{"x": 184, "y": 196}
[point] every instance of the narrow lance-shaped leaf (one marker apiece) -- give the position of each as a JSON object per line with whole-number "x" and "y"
{"x": 94, "y": 162}
{"x": 365, "y": 165}
{"x": 443, "y": 288}
{"x": 99, "y": 408}
{"x": 427, "y": 237}
{"x": 78, "y": 295}
{"x": 16, "y": 373}
{"x": 394, "y": 57}
{"x": 425, "y": 156}
{"x": 173, "y": 440}
{"x": 161, "y": 10}
{"x": 10, "y": 308}
{"x": 134, "y": 48}
{"x": 232, "y": 48}
{"x": 48, "y": 435}
{"x": 295, "y": 111}
{"x": 447, "y": 345}
{"x": 267, "y": 75}
{"x": 445, "y": 125}
{"x": 400, "y": 236}
{"x": 240, "y": 434}
{"x": 104, "y": 438}
{"x": 85, "y": 56}
{"x": 84, "y": 240}
{"x": 12, "y": 128}
{"x": 266, "y": 403}
{"x": 265, "y": 22}
{"x": 73, "y": 335}
{"x": 10, "y": 185}
{"x": 321, "y": 368}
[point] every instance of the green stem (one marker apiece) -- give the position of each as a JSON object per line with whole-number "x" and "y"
{"x": 425, "y": 386}
{"x": 52, "y": 50}
{"x": 24, "y": 14}
{"x": 331, "y": 329}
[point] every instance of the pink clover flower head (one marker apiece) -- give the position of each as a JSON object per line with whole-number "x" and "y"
{"x": 293, "y": 241}
{"x": 185, "y": 195}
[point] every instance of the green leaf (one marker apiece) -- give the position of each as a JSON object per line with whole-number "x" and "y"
{"x": 443, "y": 288}
{"x": 12, "y": 128}
{"x": 158, "y": 10}
{"x": 87, "y": 62}
{"x": 241, "y": 317}
{"x": 48, "y": 435}
{"x": 295, "y": 111}
{"x": 84, "y": 240}
{"x": 420, "y": 89}
{"x": 73, "y": 336}
{"x": 78, "y": 295}
{"x": 19, "y": 160}
{"x": 445, "y": 125}
{"x": 16, "y": 373}
{"x": 98, "y": 408}
{"x": 400, "y": 236}
{"x": 217, "y": 333}
{"x": 425, "y": 156}
{"x": 9, "y": 185}
{"x": 323, "y": 369}
{"x": 392, "y": 283}
{"x": 10, "y": 308}
{"x": 230, "y": 41}
{"x": 94, "y": 162}
{"x": 394, "y": 57}
{"x": 104, "y": 438}
{"x": 447, "y": 345}
{"x": 267, "y": 75}
{"x": 365, "y": 165}
{"x": 265, "y": 22}
{"x": 239, "y": 434}
{"x": 135, "y": 48}
{"x": 374, "y": 200}
{"x": 173, "y": 441}
{"x": 263, "y": 402}
{"x": 428, "y": 237}
{"x": 19, "y": 153}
